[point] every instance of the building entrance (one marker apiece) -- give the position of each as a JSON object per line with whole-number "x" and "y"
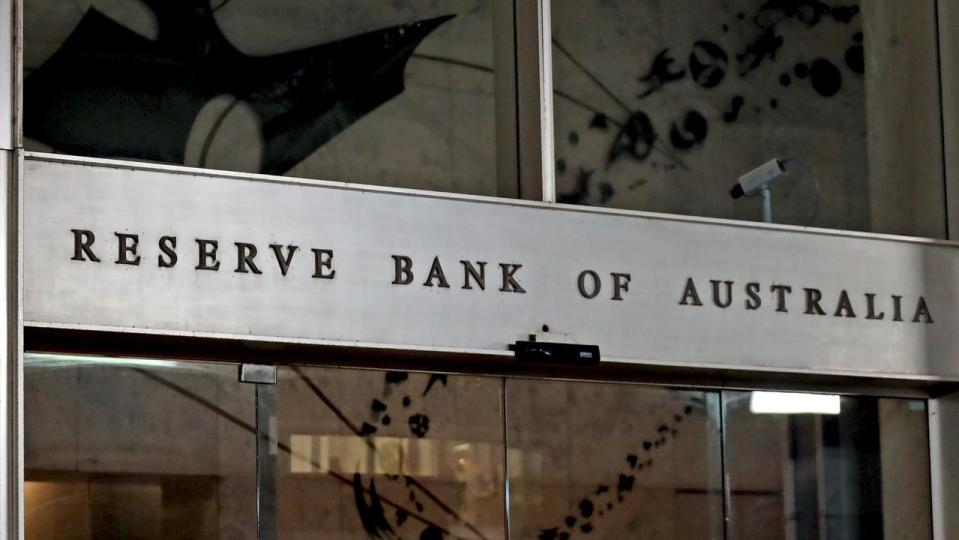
{"x": 144, "y": 448}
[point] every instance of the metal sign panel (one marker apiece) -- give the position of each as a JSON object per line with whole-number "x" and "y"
{"x": 164, "y": 250}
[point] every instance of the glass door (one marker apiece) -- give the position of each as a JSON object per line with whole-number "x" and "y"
{"x": 602, "y": 460}
{"x": 802, "y": 466}
{"x": 159, "y": 449}
{"x": 389, "y": 454}
{"x": 137, "y": 449}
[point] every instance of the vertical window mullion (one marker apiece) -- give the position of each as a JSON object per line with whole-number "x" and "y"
{"x": 534, "y": 80}
{"x": 724, "y": 477}
{"x": 948, "y": 43}
{"x": 546, "y": 101}
{"x": 504, "y": 54}
{"x": 11, "y": 360}
{"x": 506, "y": 488}
{"x": 9, "y": 66}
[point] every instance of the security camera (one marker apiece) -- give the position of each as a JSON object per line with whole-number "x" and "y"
{"x": 758, "y": 178}
{"x": 758, "y": 181}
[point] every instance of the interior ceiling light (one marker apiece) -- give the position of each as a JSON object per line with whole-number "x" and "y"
{"x": 792, "y": 403}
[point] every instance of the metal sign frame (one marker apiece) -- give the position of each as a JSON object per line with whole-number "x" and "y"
{"x": 674, "y": 290}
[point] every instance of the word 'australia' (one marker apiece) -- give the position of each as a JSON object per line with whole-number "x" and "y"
{"x": 810, "y": 300}
{"x": 207, "y": 254}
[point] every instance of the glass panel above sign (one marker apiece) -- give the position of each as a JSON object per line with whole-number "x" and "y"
{"x": 398, "y": 94}
{"x": 663, "y": 106}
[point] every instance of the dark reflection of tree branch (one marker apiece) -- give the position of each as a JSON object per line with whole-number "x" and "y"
{"x": 221, "y": 5}
{"x": 606, "y": 90}
{"x": 485, "y": 69}
{"x": 239, "y": 422}
{"x": 333, "y": 408}
{"x": 579, "y": 65}
{"x": 339, "y": 414}
{"x": 582, "y": 104}
{"x": 453, "y": 62}
{"x": 568, "y": 97}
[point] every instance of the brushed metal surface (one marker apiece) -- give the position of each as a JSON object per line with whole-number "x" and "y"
{"x": 11, "y": 358}
{"x": 554, "y": 244}
{"x": 257, "y": 374}
{"x": 944, "y": 463}
{"x": 9, "y": 76}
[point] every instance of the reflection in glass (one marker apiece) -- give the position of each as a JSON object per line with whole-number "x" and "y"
{"x": 126, "y": 448}
{"x": 376, "y": 454}
{"x": 662, "y": 106}
{"x": 612, "y": 461}
{"x": 859, "y": 471}
{"x": 134, "y": 448}
{"x": 395, "y": 93}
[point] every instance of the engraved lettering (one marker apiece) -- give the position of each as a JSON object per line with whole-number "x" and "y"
{"x": 509, "y": 282}
{"x": 168, "y": 248}
{"x": 477, "y": 275}
{"x": 323, "y": 264}
{"x": 83, "y": 245}
{"x": 590, "y": 292}
{"x": 922, "y": 310}
{"x": 844, "y": 306}
{"x": 716, "y": 296}
{"x": 752, "y": 292}
{"x": 620, "y": 284}
{"x": 207, "y": 255}
{"x": 690, "y": 296}
{"x": 283, "y": 260}
{"x": 897, "y": 308}
{"x": 244, "y": 258}
{"x": 402, "y": 273}
{"x": 781, "y": 292}
{"x": 127, "y": 246}
{"x": 871, "y": 308}
{"x": 813, "y": 296}
{"x": 436, "y": 273}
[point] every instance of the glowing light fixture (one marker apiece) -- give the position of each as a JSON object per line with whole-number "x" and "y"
{"x": 792, "y": 403}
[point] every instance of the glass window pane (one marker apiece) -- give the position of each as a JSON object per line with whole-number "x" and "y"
{"x": 858, "y": 468}
{"x": 613, "y": 461}
{"x": 662, "y": 106}
{"x": 373, "y": 454}
{"x": 125, "y": 448}
{"x": 132, "y": 448}
{"x": 389, "y": 93}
